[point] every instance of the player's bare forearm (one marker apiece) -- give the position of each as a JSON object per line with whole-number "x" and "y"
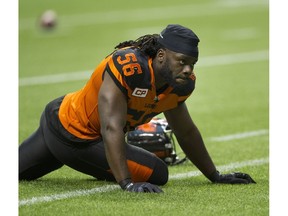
{"x": 112, "y": 110}
{"x": 193, "y": 146}
{"x": 190, "y": 139}
{"x": 116, "y": 153}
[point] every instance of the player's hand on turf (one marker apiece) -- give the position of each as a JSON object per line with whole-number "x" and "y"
{"x": 232, "y": 178}
{"x": 140, "y": 187}
{"x": 143, "y": 187}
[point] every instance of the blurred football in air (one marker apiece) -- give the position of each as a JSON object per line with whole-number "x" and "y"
{"x": 48, "y": 19}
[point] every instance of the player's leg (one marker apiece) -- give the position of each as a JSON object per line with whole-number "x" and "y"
{"x": 90, "y": 158}
{"x": 145, "y": 166}
{"x": 35, "y": 159}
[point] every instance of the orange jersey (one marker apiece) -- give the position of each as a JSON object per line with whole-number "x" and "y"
{"x": 132, "y": 72}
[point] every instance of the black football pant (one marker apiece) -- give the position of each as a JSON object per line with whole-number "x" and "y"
{"x": 44, "y": 152}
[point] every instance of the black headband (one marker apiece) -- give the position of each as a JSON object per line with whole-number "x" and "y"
{"x": 180, "y": 39}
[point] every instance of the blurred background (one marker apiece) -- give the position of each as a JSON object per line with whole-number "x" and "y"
{"x": 232, "y": 71}
{"x": 88, "y": 30}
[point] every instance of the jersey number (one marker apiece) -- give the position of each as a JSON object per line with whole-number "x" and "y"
{"x": 129, "y": 64}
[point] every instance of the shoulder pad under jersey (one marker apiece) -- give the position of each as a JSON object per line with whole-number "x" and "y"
{"x": 133, "y": 67}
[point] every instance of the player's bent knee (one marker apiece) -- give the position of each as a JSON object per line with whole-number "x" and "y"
{"x": 160, "y": 174}
{"x": 155, "y": 174}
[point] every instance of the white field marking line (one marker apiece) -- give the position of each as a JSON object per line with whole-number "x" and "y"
{"x": 55, "y": 78}
{"x": 67, "y": 195}
{"x": 240, "y": 34}
{"x": 209, "y": 61}
{"x": 156, "y": 13}
{"x": 239, "y": 135}
{"x": 103, "y": 189}
{"x": 223, "y": 168}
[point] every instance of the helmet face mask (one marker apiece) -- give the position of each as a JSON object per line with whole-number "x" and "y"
{"x": 156, "y": 137}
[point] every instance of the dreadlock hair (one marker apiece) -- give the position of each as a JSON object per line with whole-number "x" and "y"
{"x": 148, "y": 44}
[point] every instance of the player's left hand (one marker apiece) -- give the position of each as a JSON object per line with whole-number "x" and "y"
{"x": 233, "y": 178}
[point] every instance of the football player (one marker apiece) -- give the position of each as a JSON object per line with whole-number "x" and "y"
{"x": 140, "y": 79}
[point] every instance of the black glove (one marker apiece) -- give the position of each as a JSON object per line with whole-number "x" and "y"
{"x": 145, "y": 187}
{"x": 232, "y": 178}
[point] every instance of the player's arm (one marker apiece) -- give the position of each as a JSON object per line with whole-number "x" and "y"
{"x": 190, "y": 140}
{"x": 112, "y": 107}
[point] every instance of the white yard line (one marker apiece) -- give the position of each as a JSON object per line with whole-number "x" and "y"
{"x": 241, "y": 33}
{"x": 67, "y": 195}
{"x": 55, "y": 78}
{"x": 209, "y": 61}
{"x": 223, "y": 168}
{"x": 239, "y": 135}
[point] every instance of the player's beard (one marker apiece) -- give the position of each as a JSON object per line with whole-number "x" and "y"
{"x": 167, "y": 74}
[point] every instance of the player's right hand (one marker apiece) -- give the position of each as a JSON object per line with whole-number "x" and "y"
{"x": 143, "y": 187}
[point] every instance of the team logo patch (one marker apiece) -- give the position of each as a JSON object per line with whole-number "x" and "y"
{"x": 139, "y": 92}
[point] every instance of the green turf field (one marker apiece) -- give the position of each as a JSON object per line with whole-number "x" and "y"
{"x": 230, "y": 104}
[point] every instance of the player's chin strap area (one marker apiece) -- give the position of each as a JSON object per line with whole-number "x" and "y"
{"x": 177, "y": 160}
{"x": 156, "y": 137}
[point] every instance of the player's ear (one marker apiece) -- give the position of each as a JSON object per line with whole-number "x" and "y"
{"x": 161, "y": 55}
